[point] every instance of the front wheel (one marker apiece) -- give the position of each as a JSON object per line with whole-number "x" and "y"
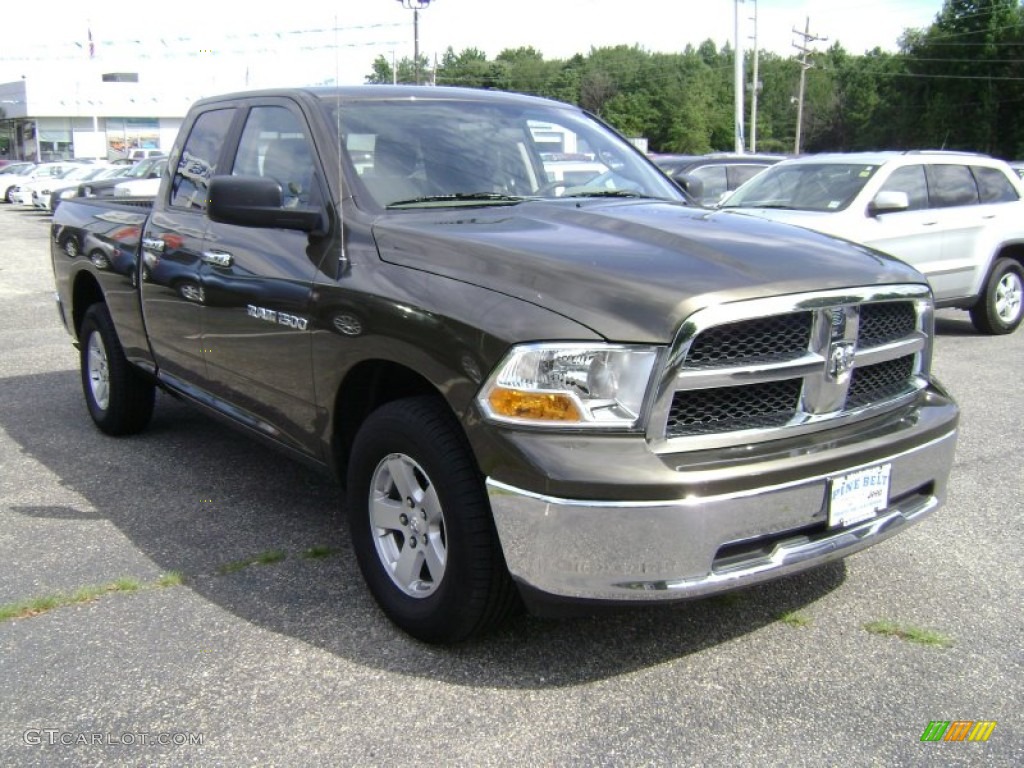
{"x": 119, "y": 398}
{"x": 999, "y": 310}
{"x": 421, "y": 524}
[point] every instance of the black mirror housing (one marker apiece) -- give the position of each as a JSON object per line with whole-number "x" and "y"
{"x": 256, "y": 201}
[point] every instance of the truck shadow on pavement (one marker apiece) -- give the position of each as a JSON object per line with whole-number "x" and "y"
{"x": 195, "y": 497}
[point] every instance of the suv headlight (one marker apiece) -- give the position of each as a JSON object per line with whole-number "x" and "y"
{"x": 570, "y": 385}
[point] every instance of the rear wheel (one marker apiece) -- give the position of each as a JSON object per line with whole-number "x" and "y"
{"x": 119, "y": 398}
{"x": 999, "y": 310}
{"x": 421, "y": 524}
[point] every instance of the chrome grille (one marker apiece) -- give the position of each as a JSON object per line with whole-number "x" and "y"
{"x": 881, "y": 381}
{"x": 767, "y": 368}
{"x": 886, "y": 321}
{"x": 782, "y": 337}
{"x": 758, "y": 406}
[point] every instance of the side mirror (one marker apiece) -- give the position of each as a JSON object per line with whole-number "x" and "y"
{"x": 888, "y": 202}
{"x": 692, "y": 186}
{"x": 256, "y": 201}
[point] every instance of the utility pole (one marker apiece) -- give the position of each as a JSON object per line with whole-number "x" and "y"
{"x": 739, "y": 78}
{"x": 754, "y": 88}
{"x": 808, "y": 38}
{"x": 416, "y": 6}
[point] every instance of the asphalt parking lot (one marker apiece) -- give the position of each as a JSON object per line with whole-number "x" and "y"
{"x": 193, "y": 601}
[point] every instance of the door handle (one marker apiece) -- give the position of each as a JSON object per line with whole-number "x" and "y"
{"x": 218, "y": 258}
{"x": 154, "y": 244}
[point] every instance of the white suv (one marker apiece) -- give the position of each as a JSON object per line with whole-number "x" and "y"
{"x": 956, "y": 217}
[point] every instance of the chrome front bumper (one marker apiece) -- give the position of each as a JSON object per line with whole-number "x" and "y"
{"x": 579, "y": 550}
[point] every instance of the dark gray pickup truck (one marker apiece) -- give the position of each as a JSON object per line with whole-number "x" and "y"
{"x": 578, "y": 392}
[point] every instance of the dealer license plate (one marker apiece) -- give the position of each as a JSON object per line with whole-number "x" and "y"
{"x": 858, "y": 496}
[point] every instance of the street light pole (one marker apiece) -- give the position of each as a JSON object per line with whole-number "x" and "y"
{"x": 415, "y": 6}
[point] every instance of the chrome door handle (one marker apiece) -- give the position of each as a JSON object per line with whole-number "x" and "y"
{"x": 154, "y": 244}
{"x": 217, "y": 258}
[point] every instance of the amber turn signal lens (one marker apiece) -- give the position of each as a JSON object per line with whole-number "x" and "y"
{"x": 533, "y": 406}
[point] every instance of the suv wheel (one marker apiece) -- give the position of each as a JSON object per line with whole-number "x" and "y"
{"x": 999, "y": 310}
{"x": 421, "y": 524}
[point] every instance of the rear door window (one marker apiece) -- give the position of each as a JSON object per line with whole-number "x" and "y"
{"x": 951, "y": 185}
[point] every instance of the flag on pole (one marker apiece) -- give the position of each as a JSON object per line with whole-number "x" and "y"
{"x": 92, "y": 47}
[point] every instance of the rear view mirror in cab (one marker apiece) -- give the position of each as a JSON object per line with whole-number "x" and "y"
{"x": 257, "y": 201}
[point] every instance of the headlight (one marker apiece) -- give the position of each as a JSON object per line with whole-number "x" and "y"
{"x": 570, "y": 385}
{"x": 67, "y": 194}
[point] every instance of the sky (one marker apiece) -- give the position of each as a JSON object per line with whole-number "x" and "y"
{"x": 318, "y": 42}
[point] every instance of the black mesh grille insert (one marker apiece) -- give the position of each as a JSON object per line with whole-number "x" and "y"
{"x": 882, "y": 381}
{"x": 756, "y": 406}
{"x": 885, "y": 322}
{"x": 765, "y": 339}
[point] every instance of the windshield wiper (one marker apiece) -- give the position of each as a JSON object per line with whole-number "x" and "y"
{"x": 606, "y": 193}
{"x": 772, "y": 206}
{"x": 460, "y": 197}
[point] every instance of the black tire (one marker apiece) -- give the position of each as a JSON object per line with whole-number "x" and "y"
{"x": 1000, "y": 308}
{"x": 448, "y": 580}
{"x": 119, "y": 398}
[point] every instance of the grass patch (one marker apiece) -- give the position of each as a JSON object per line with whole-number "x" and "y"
{"x": 319, "y": 553}
{"x": 263, "y": 558}
{"x": 270, "y": 556}
{"x": 795, "y": 619}
{"x": 171, "y": 579}
{"x": 125, "y": 585}
{"x": 909, "y": 633}
{"x": 38, "y": 605}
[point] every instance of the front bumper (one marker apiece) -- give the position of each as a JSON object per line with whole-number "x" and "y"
{"x": 707, "y": 539}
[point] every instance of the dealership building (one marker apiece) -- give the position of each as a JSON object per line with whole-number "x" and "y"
{"x": 104, "y": 117}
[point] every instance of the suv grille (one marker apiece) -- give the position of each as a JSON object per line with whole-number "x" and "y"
{"x": 784, "y": 371}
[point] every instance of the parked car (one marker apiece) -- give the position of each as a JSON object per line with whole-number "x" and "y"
{"x": 10, "y": 182}
{"x": 707, "y": 179}
{"x": 141, "y": 154}
{"x": 17, "y": 167}
{"x": 957, "y": 217}
{"x": 150, "y": 168}
{"x": 148, "y": 187}
{"x": 27, "y": 192}
{"x": 46, "y": 194}
{"x": 22, "y": 193}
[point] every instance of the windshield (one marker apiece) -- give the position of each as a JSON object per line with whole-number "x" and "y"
{"x": 803, "y": 187}
{"x": 142, "y": 168}
{"x": 441, "y": 152}
{"x": 17, "y": 168}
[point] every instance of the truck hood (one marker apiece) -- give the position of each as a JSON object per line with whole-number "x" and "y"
{"x": 630, "y": 270}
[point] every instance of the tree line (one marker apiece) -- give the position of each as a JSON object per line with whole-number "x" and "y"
{"x": 959, "y": 84}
